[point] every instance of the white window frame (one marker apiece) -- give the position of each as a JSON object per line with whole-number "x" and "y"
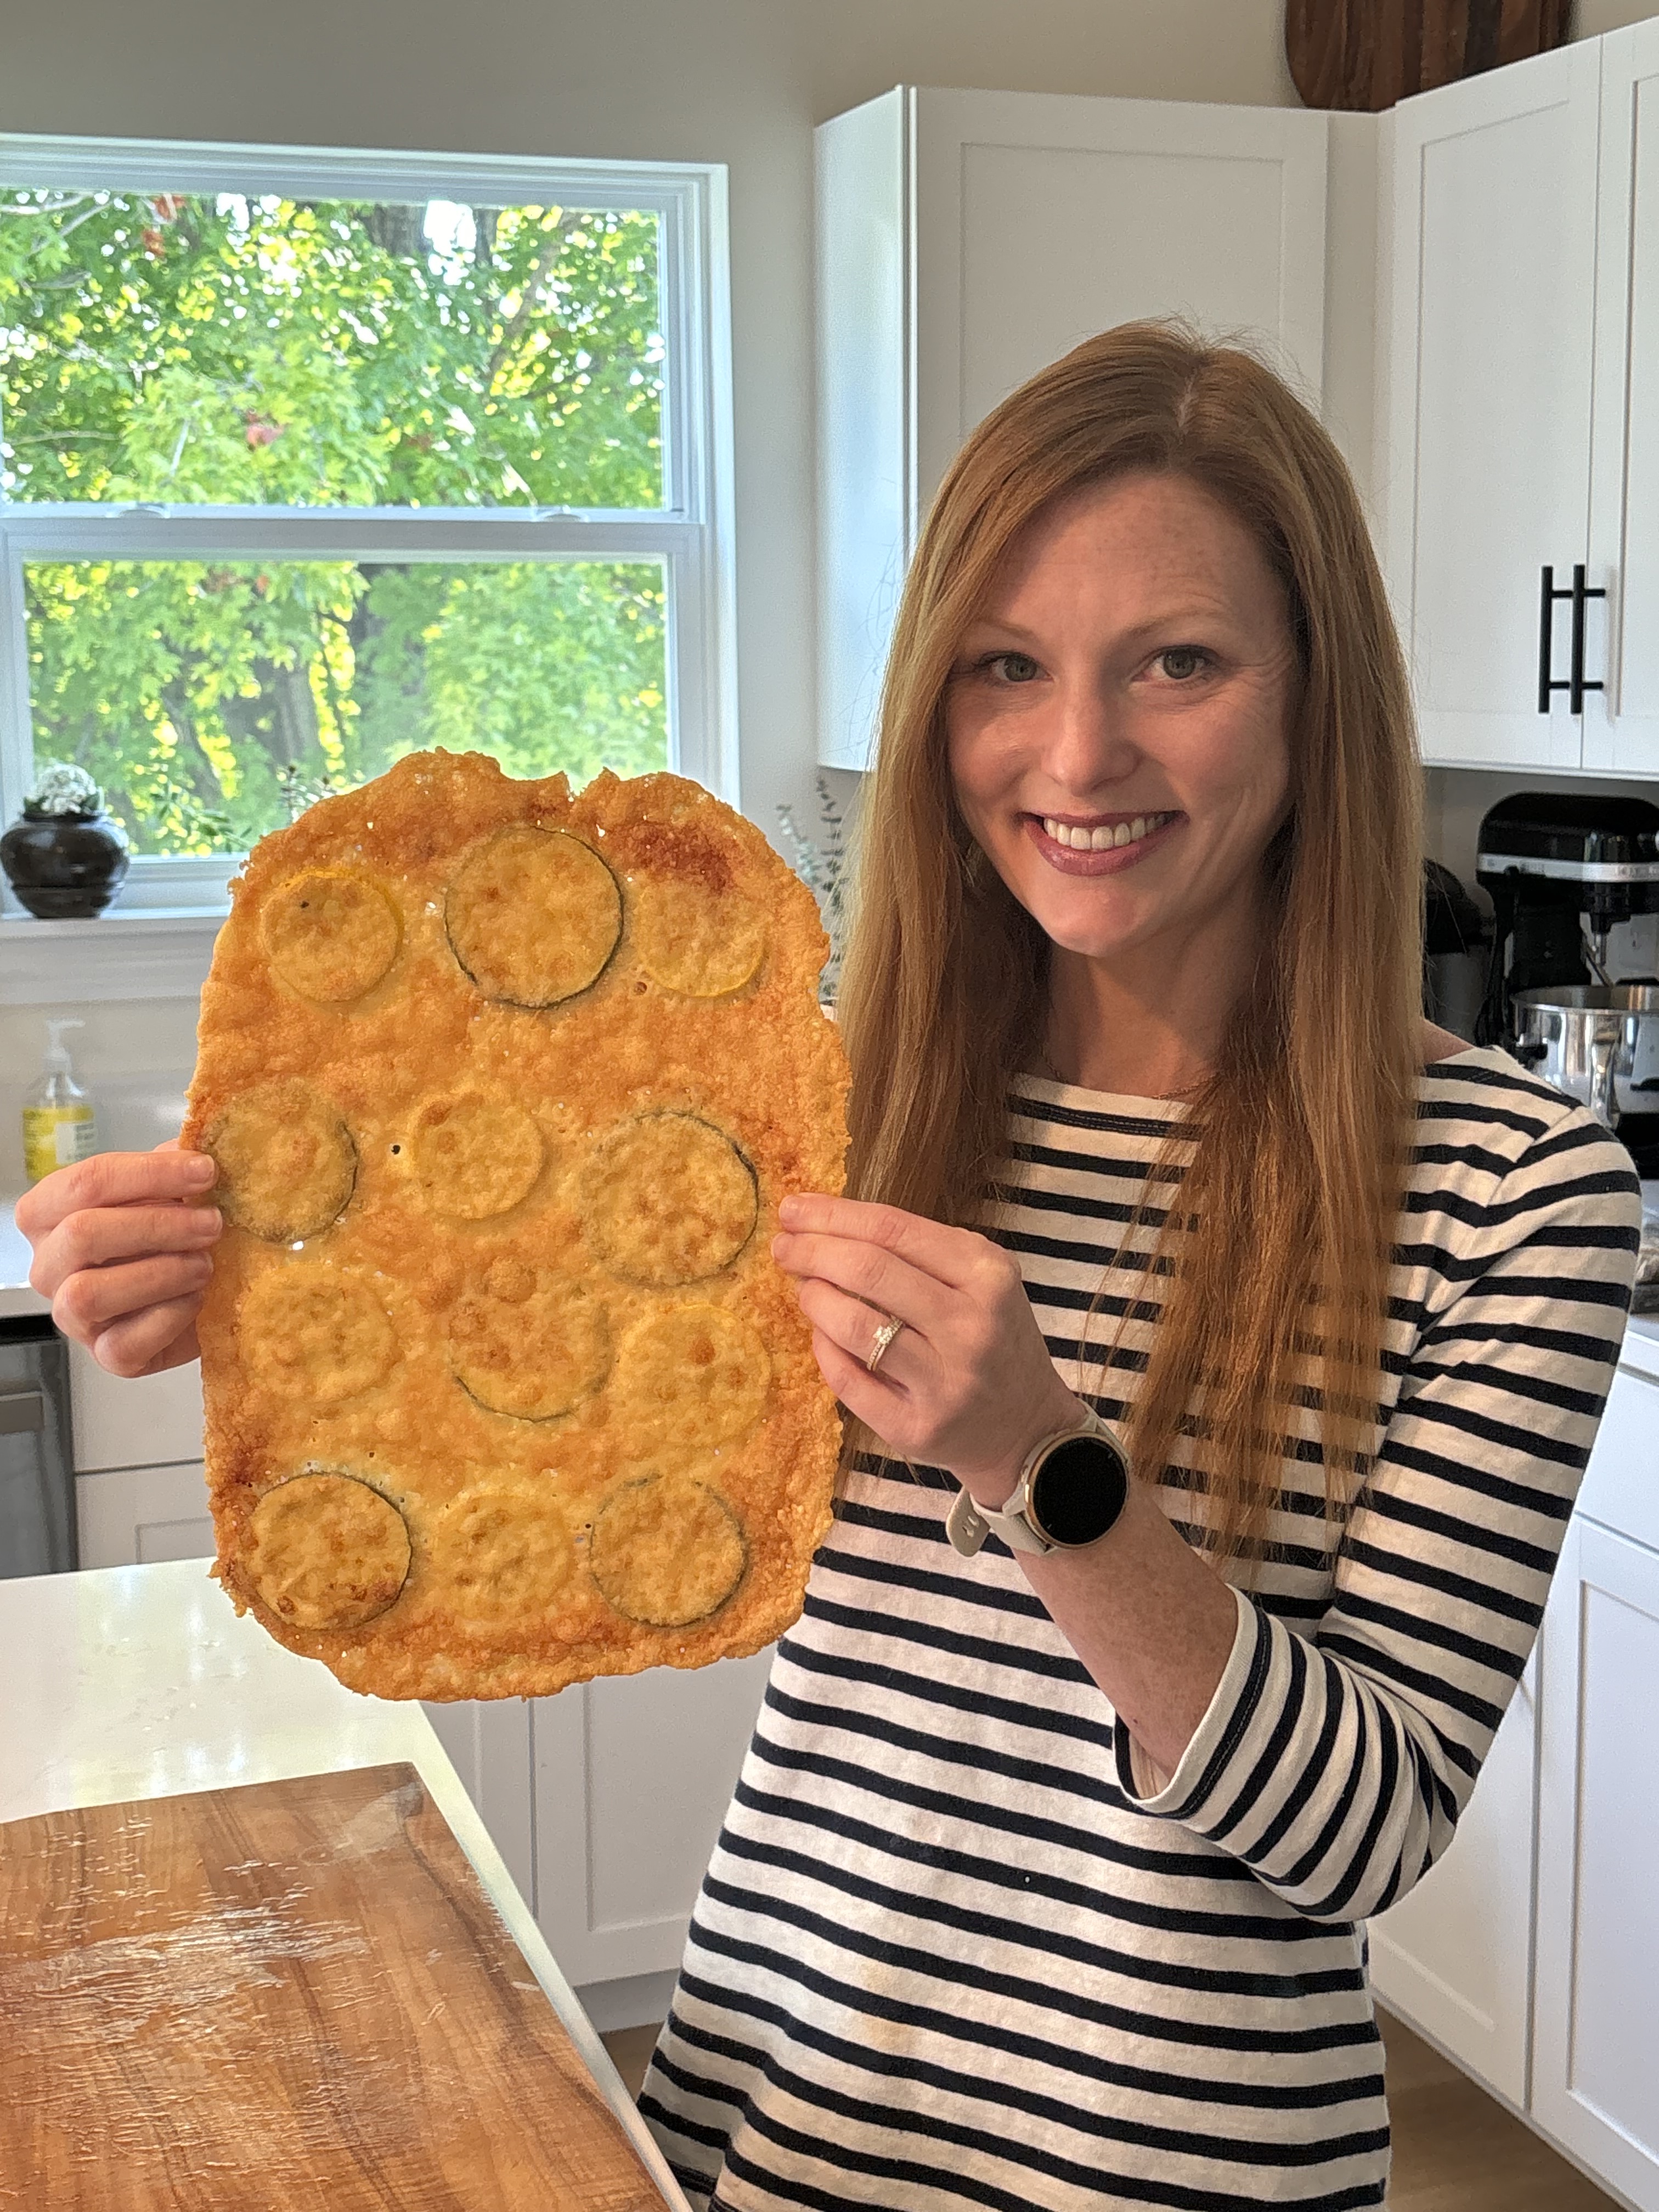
{"x": 690, "y": 533}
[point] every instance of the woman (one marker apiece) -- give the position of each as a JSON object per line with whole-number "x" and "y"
{"x": 1044, "y": 1879}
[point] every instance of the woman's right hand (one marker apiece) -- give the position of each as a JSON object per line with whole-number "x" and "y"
{"x": 124, "y": 1254}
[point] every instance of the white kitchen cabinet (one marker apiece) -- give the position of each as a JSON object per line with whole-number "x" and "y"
{"x": 605, "y": 1801}
{"x": 119, "y": 1422}
{"x": 1519, "y": 344}
{"x": 1487, "y": 331}
{"x": 967, "y": 238}
{"x": 1621, "y": 730}
{"x": 130, "y": 1516}
{"x": 633, "y": 1775}
{"x": 1530, "y": 1954}
{"x": 1453, "y": 1958}
{"x": 1620, "y": 1488}
{"x": 140, "y": 1491}
{"x": 1596, "y": 2049}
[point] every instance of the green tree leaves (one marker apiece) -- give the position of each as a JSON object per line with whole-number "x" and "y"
{"x": 249, "y": 351}
{"x": 199, "y": 693}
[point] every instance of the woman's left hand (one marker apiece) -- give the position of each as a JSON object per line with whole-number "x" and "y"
{"x": 967, "y": 1383}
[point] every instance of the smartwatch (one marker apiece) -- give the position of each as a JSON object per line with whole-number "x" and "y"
{"x": 1071, "y": 1488}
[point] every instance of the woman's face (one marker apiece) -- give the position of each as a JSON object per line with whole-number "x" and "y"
{"x": 1118, "y": 717}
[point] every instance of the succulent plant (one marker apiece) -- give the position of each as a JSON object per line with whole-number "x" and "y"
{"x": 62, "y": 789}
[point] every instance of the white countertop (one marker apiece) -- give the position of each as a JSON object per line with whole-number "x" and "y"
{"x": 136, "y": 1682}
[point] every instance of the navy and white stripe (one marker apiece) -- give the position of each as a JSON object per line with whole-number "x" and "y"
{"x": 959, "y": 1945}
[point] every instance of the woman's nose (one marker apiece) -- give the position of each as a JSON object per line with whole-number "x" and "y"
{"x": 1088, "y": 741}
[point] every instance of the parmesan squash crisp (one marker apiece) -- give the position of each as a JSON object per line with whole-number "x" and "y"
{"x": 504, "y": 1087}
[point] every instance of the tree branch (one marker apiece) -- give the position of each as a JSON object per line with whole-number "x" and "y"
{"x": 48, "y": 207}
{"x": 515, "y": 322}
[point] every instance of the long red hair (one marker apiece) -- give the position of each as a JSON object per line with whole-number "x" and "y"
{"x": 1275, "y": 1263}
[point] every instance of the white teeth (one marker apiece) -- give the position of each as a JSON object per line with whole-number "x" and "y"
{"x": 1105, "y": 838}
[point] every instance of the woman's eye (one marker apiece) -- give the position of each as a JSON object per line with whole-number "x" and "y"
{"x": 1183, "y": 662}
{"x": 1014, "y": 668}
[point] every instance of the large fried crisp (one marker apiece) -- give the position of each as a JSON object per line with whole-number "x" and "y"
{"x": 503, "y": 1390}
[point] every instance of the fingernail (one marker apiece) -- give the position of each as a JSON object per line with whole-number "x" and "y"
{"x": 778, "y": 1243}
{"x": 789, "y": 1211}
{"x": 200, "y": 1168}
{"x": 206, "y": 1220}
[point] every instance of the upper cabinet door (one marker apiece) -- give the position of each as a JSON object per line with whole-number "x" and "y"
{"x": 1040, "y": 220}
{"x": 965, "y": 240}
{"x": 1489, "y": 345}
{"x": 1621, "y": 728}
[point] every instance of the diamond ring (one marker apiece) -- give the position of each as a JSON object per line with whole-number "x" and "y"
{"x": 884, "y": 1341}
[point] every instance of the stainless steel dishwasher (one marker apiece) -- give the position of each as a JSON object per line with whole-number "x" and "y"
{"x": 37, "y": 1466}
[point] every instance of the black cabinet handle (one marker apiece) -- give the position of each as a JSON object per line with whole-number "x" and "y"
{"x": 1574, "y": 684}
{"x": 1547, "y": 683}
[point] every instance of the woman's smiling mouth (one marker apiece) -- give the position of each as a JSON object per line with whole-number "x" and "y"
{"x": 1102, "y": 844}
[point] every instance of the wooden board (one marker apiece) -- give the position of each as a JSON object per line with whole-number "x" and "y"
{"x": 1369, "y": 53}
{"x": 291, "y": 1995}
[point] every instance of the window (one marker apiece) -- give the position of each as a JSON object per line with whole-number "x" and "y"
{"x": 311, "y": 459}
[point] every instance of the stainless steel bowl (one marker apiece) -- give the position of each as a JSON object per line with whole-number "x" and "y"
{"x": 1598, "y": 1043}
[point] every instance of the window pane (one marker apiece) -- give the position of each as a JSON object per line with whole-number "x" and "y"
{"x": 212, "y": 699}
{"x": 242, "y": 349}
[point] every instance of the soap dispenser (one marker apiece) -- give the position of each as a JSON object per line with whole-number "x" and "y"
{"x": 60, "y": 1123}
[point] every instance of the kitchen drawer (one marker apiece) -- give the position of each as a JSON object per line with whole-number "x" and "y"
{"x": 1622, "y": 1484}
{"x": 117, "y": 1423}
{"x": 130, "y": 1517}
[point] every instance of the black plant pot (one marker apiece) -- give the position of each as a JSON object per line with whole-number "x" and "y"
{"x": 64, "y": 867}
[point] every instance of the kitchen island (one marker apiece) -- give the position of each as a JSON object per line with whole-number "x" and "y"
{"x": 141, "y": 1683}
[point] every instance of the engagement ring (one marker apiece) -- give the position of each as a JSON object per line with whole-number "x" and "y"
{"x": 884, "y": 1336}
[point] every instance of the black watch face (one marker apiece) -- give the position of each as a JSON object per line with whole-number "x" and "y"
{"x": 1079, "y": 1491}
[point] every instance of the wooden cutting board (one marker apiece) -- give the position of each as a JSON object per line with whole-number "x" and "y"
{"x": 289, "y": 1996}
{"x": 1369, "y": 53}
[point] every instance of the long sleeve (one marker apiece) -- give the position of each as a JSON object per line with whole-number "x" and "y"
{"x": 1334, "y": 1764}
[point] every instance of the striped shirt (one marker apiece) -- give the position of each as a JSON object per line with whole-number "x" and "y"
{"x": 959, "y": 1946}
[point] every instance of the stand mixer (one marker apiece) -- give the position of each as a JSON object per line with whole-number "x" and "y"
{"x": 1562, "y": 869}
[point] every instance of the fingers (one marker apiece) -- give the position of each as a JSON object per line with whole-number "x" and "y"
{"x": 867, "y": 1271}
{"x": 108, "y": 1234}
{"x": 853, "y": 1327}
{"x": 112, "y": 1179}
{"x": 949, "y": 1255}
{"x": 91, "y": 1301}
{"x": 144, "y": 1344}
{"x": 891, "y": 1417}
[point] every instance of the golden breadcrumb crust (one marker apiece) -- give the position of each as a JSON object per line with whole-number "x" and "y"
{"x": 505, "y": 1087}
